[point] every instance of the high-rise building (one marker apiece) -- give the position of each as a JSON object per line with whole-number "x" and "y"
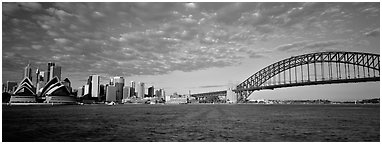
{"x": 40, "y": 81}
{"x": 111, "y": 93}
{"x": 28, "y": 72}
{"x": 86, "y": 89}
{"x": 55, "y": 71}
{"x": 80, "y": 92}
{"x": 162, "y": 93}
{"x": 141, "y": 90}
{"x": 50, "y": 64}
{"x": 126, "y": 92}
{"x": 165, "y": 97}
{"x": 102, "y": 92}
{"x": 11, "y": 86}
{"x": 150, "y": 91}
{"x": 132, "y": 89}
{"x": 119, "y": 82}
{"x": 133, "y": 84}
{"x": 94, "y": 86}
{"x": 157, "y": 93}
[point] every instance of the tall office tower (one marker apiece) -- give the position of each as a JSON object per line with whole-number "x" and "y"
{"x": 55, "y": 71}
{"x": 132, "y": 89}
{"x": 102, "y": 93}
{"x": 126, "y": 92}
{"x": 86, "y": 89}
{"x": 80, "y": 92}
{"x": 10, "y": 86}
{"x": 40, "y": 81}
{"x": 150, "y": 91}
{"x": 133, "y": 84}
{"x": 111, "y": 93}
{"x": 141, "y": 90}
{"x": 50, "y": 64}
{"x": 119, "y": 82}
{"x": 28, "y": 72}
{"x": 157, "y": 94}
{"x": 94, "y": 88}
{"x": 166, "y": 97}
{"x": 162, "y": 93}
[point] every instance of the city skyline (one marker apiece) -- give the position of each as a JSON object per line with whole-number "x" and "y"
{"x": 179, "y": 47}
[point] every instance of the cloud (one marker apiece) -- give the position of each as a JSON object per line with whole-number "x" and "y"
{"x": 309, "y": 45}
{"x": 372, "y": 33}
{"x": 212, "y": 86}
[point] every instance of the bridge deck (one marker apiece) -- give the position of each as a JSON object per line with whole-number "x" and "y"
{"x": 311, "y": 83}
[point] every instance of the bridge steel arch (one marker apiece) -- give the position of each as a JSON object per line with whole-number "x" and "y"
{"x": 365, "y": 66}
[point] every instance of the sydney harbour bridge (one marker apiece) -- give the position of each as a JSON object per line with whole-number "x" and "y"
{"x": 308, "y": 69}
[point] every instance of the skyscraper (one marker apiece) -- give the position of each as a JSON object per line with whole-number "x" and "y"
{"x": 157, "y": 93}
{"x": 110, "y": 93}
{"x": 133, "y": 84}
{"x": 80, "y": 92}
{"x": 141, "y": 90}
{"x": 50, "y": 64}
{"x": 94, "y": 86}
{"x": 119, "y": 82}
{"x": 28, "y": 72}
{"x": 132, "y": 89}
{"x": 126, "y": 92}
{"x": 102, "y": 93}
{"x": 150, "y": 91}
{"x": 55, "y": 71}
{"x": 86, "y": 89}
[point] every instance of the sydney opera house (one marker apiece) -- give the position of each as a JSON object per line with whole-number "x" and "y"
{"x": 53, "y": 92}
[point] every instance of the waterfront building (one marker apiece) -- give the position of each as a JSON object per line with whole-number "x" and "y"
{"x": 94, "y": 86}
{"x": 157, "y": 94}
{"x": 28, "y": 72}
{"x": 66, "y": 82}
{"x": 119, "y": 82}
{"x": 80, "y": 92}
{"x": 126, "y": 92}
{"x": 102, "y": 92}
{"x": 111, "y": 93}
{"x": 150, "y": 91}
{"x": 133, "y": 84}
{"x": 55, "y": 71}
{"x": 167, "y": 97}
{"x": 231, "y": 95}
{"x": 162, "y": 93}
{"x": 86, "y": 90}
{"x": 132, "y": 89}
{"x": 141, "y": 90}
{"x": 50, "y": 64}
{"x": 55, "y": 88}
{"x": 24, "y": 93}
{"x": 25, "y": 88}
{"x": 11, "y": 86}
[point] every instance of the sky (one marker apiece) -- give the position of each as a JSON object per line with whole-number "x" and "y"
{"x": 182, "y": 47}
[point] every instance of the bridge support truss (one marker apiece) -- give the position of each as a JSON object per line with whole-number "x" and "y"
{"x": 313, "y": 69}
